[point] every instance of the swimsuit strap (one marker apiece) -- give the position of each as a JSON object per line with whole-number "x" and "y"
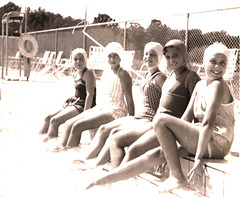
{"x": 118, "y": 70}
{"x": 85, "y": 69}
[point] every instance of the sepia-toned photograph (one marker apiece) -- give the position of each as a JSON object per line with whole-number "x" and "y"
{"x": 119, "y": 99}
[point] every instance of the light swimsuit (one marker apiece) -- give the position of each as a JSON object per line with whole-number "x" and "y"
{"x": 110, "y": 95}
{"x": 223, "y": 131}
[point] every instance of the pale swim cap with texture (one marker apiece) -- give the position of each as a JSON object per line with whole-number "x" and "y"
{"x": 157, "y": 47}
{"x": 216, "y": 48}
{"x": 114, "y": 47}
{"x": 80, "y": 51}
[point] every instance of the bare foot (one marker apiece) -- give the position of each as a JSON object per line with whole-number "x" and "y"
{"x": 172, "y": 183}
{"x": 42, "y": 133}
{"x": 46, "y": 139}
{"x": 58, "y": 148}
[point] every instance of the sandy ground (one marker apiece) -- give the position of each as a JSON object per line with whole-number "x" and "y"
{"x": 27, "y": 169}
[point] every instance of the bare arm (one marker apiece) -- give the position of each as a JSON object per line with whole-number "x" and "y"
{"x": 90, "y": 80}
{"x": 159, "y": 80}
{"x": 191, "y": 80}
{"x": 126, "y": 82}
{"x": 188, "y": 114}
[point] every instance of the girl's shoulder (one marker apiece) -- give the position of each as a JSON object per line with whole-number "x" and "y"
{"x": 160, "y": 76}
{"x": 192, "y": 74}
{"x": 192, "y": 78}
{"x": 123, "y": 73}
{"x": 222, "y": 87}
{"x": 89, "y": 73}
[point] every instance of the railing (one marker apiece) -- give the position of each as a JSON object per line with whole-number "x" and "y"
{"x": 198, "y": 30}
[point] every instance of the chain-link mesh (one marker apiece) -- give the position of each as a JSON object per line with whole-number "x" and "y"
{"x": 197, "y": 30}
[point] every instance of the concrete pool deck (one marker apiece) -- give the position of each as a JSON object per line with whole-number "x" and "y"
{"x": 27, "y": 170}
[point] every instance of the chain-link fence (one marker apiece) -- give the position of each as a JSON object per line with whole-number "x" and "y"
{"x": 197, "y": 30}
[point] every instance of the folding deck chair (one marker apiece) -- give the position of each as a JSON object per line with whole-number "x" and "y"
{"x": 39, "y": 62}
{"x": 14, "y": 60}
{"x": 232, "y": 65}
{"x": 97, "y": 59}
{"x": 63, "y": 65}
{"x": 49, "y": 63}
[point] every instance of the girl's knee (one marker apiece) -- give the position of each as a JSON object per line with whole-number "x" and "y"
{"x": 114, "y": 131}
{"x": 114, "y": 141}
{"x": 132, "y": 152}
{"x": 54, "y": 121}
{"x": 104, "y": 130}
{"x": 159, "y": 121}
{"x": 48, "y": 118}
{"x": 68, "y": 124}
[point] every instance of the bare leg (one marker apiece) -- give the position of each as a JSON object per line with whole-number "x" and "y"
{"x": 104, "y": 155}
{"x": 132, "y": 168}
{"x": 68, "y": 126}
{"x": 102, "y": 135}
{"x": 91, "y": 121}
{"x": 45, "y": 126}
{"x": 92, "y": 133}
{"x": 121, "y": 140}
{"x": 146, "y": 142}
{"x": 168, "y": 129}
{"x": 59, "y": 119}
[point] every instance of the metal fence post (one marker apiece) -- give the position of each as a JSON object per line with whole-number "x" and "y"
{"x": 56, "y": 41}
{"x": 187, "y": 28}
{"x": 125, "y": 36}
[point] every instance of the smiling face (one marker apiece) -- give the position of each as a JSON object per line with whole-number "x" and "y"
{"x": 151, "y": 58}
{"x": 79, "y": 61}
{"x": 114, "y": 60}
{"x": 174, "y": 58}
{"x": 216, "y": 66}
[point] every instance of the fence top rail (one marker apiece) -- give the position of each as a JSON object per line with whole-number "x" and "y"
{"x": 134, "y": 20}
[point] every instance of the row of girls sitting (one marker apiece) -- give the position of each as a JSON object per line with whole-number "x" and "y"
{"x": 80, "y": 112}
{"x": 181, "y": 115}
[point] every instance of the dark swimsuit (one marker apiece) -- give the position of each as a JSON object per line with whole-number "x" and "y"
{"x": 175, "y": 94}
{"x": 78, "y": 101}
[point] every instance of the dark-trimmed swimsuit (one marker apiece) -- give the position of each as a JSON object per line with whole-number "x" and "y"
{"x": 80, "y": 94}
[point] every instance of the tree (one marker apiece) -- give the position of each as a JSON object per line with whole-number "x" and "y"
{"x": 42, "y": 20}
{"x": 136, "y": 36}
{"x": 104, "y": 18}
{"x": 9, "y": 8}
{"x": 39, "y": 19}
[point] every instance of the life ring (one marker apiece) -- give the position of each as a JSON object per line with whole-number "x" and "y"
{"x": 28, "y": 45}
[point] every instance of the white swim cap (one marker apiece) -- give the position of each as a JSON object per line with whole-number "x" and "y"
{"x": 81, "y": 51}
{"x": 157, "y": 47}
{"x": 114, "y": 47}
{"x": 215, "y": 48}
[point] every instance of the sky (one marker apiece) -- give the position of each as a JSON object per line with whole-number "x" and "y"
{"x": 122, "y": 10}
